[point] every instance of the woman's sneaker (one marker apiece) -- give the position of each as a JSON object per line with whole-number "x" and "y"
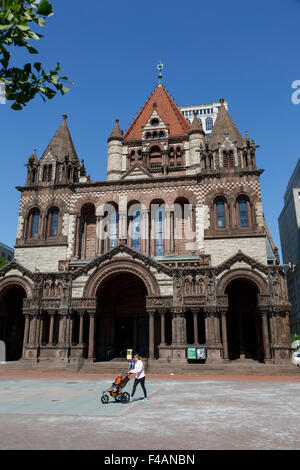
{"x": 146, "y": 399}
{"x": 130, "y": 399}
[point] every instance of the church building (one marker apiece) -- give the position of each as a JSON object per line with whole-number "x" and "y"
{"x": 171, "y": 251}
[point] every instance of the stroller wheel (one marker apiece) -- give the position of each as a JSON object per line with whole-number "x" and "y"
{"x": 104, "y": 398}
{"x": 125, "y": 397}
{"x": 118, "y": 397}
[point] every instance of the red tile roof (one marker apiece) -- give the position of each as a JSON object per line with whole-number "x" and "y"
{"x": 167, "y": 110}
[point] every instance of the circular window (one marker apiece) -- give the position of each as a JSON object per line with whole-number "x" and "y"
{"x": 154, "y": 122}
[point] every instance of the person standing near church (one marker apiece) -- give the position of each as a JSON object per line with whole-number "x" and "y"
{"x": 140, "y": 377}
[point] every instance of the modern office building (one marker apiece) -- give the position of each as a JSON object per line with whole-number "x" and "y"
{"x": 6, "y": 252}
{"x": 205, "y": 113}
{"x": 289, "y": 229}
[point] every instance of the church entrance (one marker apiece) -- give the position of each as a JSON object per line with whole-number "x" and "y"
{"x": 121, "y": 322}
{"x": 244, "y": 327}
{"x": 12, "y": 321}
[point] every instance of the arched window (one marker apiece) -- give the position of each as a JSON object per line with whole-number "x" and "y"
{"x": 178, "y": 157}
{"x": 113, "y": 229}
{"x": 134, "y": 226}
{"x": 148, "y": 136}
{"x": 155, "y": 158}
{"x": 209, "y": 123}
{"x": 49, "y": 172}
{"x": 52, "y": 225}
{"x": 228, "y": 159}
{"x": 88, "y": 236}
{"x": 45, "y": 171}
{"x": 155, "y": 135}
{"x": 34, "y": 219}
{"x": 161, "y": 135}
{"x": 243, "y": 212}
{"x": 220, "y": 213}
{"x": 159, "y": 232}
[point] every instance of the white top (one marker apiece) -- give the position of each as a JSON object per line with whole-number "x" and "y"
{"x": 138, "y": 370}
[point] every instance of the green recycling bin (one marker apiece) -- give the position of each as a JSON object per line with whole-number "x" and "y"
{"x": 191, "y": 353}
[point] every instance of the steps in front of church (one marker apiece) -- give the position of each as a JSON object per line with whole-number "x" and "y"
{"x": 155, "y": 367}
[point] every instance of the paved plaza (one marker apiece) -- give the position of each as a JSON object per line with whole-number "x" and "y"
{"x": 183, "y": 413}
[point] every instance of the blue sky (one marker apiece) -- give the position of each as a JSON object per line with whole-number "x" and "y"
{"x": 246, "y": 52}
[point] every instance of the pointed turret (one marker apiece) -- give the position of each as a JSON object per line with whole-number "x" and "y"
{"x": 60, "y": 163}
{"x": 116, "y": 133}
{"x": 115, "y": 149}
{"x": 225, "y": 127}
{"x": 197, "y": 141}
{"x": 196, "y": 126}
{"x": 62, "y": 144}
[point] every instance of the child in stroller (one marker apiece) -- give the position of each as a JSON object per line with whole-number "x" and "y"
{"x": 116, "y": 388}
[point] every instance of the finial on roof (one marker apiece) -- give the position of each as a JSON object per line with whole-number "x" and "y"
{"x": 116, "y": 133}
{"x": 160, "y": 67}
{"x": 222, "y": 100}
{"x": 65, "y": 116}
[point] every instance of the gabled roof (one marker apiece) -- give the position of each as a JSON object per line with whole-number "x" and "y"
{"x": 224, "y": 126}
{"x": 61, "y": 143}
{"x": 137, "y": 170}
{"x": 16, "y": 265}
{"x": 167, "y": 110}
{"x": 122, "y": 248}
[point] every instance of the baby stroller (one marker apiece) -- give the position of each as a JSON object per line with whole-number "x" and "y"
{"x": 115, "y": 390}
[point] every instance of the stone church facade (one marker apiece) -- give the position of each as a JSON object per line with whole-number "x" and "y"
{"x": 171, "y": 250}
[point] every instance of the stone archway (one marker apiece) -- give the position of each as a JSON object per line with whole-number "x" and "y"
{"x": 244, "y": 323}
{"x": 12, "y": 320}
{"x": 121, "y": 320}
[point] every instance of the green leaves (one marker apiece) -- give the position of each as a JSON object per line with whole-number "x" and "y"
{"x": 45, "y": 8}
{"x": 23, "y": 84}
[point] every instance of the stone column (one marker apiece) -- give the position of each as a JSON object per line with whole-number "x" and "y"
{"x": 62, "y": 329}
{"x": 167, "y": 230}
{"x": 212, "y": 334}
{"x": 91, "y": 351}
{"x": 224, "y": 335}
{"x": 99, "y": 235}
{"x": 26, "y": 333}
{"x": 151, "y": 334}
{"x": 32, "y": 330}
{"x": 163, "y": 328}
{"x": 266, "y": 339}
{"x": 51, "y": 330}
{"x": 81, "y": 315}
{"x": 195, "y": 315}
{"x": 76, "y": 237}
{"x": 172, "y": 244}
{"x": 123, "y": 227}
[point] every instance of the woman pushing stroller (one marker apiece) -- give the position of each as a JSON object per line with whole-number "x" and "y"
{"x": 139, "y": 372}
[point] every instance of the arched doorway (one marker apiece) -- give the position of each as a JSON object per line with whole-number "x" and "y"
{"x": 12, "y": 321}
{"x": 121, "y": 321}
{"x": 244, "y": 329}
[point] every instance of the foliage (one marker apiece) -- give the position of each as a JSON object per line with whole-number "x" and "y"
{"x": 3, "y": 262}
{"x": 17, "y": 17}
